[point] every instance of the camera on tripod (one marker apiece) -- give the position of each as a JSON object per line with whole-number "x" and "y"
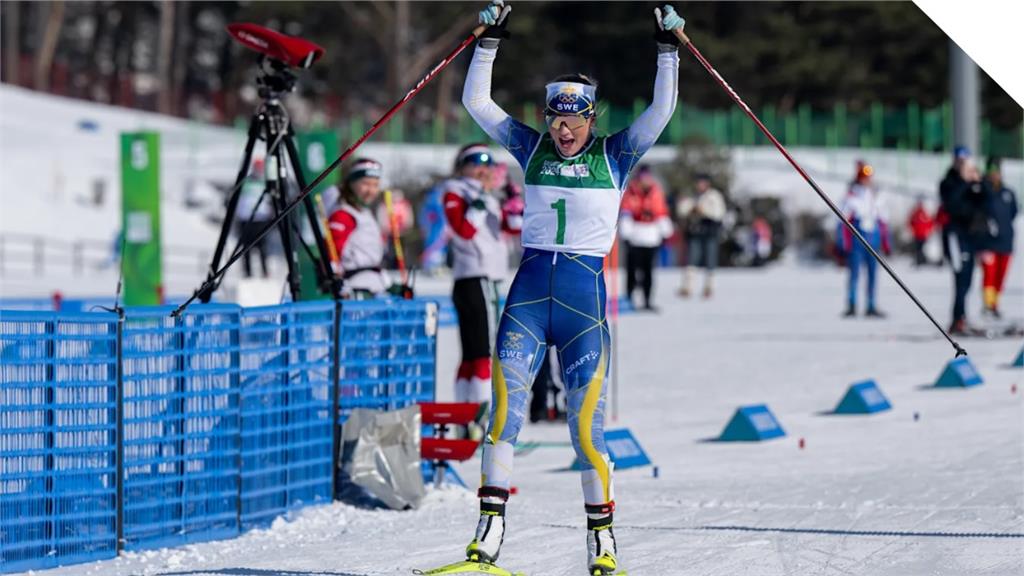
{"x": 280, "y": 55}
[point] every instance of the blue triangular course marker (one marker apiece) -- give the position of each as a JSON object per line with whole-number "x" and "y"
{"x": 863, "y": 398}
{"x": 752, "y": 424}
{"x": 623, "y": 450}
{"x": 959, "y": 373}
{"x": 1019, "y": 362}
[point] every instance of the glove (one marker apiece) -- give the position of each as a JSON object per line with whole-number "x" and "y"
{"x": 476, "y": 214}
{"x": 401, "y": 291}
{"x": 667, "y": 21}
{"x": 495, "y": 17}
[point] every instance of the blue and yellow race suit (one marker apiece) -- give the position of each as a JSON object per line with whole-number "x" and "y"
{"x": 558, "y": 294}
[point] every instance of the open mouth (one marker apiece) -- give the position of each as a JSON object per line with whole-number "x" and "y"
{"x": 566, "y": 143}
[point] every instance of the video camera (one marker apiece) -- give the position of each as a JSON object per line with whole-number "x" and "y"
{"x": 287, "y": 50}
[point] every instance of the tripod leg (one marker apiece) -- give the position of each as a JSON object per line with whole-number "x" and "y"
{"x": 325, "y": 278}
{"x": 276, "y": 184}
{"x": 229, "y": 216}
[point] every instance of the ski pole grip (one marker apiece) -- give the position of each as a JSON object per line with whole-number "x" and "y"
{"x": 479, "y": 30}
{"x": 683, "y": 38}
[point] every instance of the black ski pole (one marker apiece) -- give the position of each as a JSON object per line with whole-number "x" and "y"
{"x": 685, "y": 40}
{"x": 316, "y": 181}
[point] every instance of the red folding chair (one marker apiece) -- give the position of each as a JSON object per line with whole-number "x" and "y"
{"x": 440, "y": 450}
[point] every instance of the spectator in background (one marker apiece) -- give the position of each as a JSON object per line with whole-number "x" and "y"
{"x": 863, "y": 209}
{"x": 995, "y": 260}
{"x": 644, "y": 225}
{"x": 701, "y": 216}
{"x": 761, "y": 241}
{"x": 434, "y": 231}
{"x": 253, "y": 213}
{"x": 356, "y": 234}
{"x": 921, "y": 224}
{"x": 965, "y": 227}
{"x": 512, "y": 208}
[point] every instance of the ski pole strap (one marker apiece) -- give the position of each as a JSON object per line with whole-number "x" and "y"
{"x": 492, "y": 508}
{"x": 492, "y": 492}
{"x": 606, "y": 508}
{"x": 599, "y": 523}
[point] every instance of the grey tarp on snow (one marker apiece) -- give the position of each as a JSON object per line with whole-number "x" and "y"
{"x": 381, "y": 454}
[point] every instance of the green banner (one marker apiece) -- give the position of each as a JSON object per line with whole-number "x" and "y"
{"x": 141, "y": 261}
{"x": 316, "y": 150}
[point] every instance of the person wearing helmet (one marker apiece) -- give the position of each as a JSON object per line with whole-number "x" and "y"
{"x": 574, "y": 181}
{"x": 356, "y": 234}
{"x": 480, "y": 263}
{"x": 862, "y": 208}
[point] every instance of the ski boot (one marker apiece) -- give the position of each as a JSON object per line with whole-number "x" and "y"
{"x": 601, "y": 553}
{"x": 490, "y": 530}
{"x": 851, "y": 312}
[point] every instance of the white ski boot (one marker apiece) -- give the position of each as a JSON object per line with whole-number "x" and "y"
{"x": 490, "y": 529}
{"x": 601, "y": 553}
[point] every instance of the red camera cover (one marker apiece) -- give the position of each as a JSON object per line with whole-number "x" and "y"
{"x": 293, "y": 51}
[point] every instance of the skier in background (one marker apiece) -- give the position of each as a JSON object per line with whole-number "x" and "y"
{"x": 512, "y": 218}
{"x": 702, "y": 217}
{"x": 921, "y": 224}
{"x": 862, "y": 208}
{"x": 355, "y": 231}
{"x": 1001, "y": 204}
{"x": 434, "y": 231}
{"x": 574, "y": 184}
{"x": 644, "y": 226}
{"x": 480, "y": 263}
{"x": 964, "y": 219}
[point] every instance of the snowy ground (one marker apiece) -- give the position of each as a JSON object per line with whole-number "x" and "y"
{"x": 882, "y": 494}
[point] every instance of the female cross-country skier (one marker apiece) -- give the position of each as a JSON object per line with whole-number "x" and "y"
{"x": 480, "y": 262}
{"x": 574, "y": 183}
{"x": 355, "y": 231}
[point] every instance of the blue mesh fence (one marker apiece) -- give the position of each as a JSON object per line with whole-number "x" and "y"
{"x": 286, "y": 420}
{"x": 387, "y": 354}
{"x": 181, "y": 426}
{"x": 226, "y": 418}
{"x": 58, "y": 379}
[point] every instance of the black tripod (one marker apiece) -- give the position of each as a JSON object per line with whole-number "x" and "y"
{"x": 271, "y": 124}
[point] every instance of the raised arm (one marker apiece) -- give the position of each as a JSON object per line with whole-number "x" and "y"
{"x": 626, "y": 147}
{"x": 516, "y": 137}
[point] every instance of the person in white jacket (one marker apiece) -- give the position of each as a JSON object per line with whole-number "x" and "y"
{"x": 702, "y": 217}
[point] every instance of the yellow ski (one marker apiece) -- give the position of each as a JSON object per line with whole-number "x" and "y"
{"x": 467, "y": 567}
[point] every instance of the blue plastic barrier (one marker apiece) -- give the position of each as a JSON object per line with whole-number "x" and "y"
{"x": 752, "y": 424}
{"x": 1019, "y": 362}
{"x": 58, "y": 380}
{"x": 226, "y": 413}
{"x": 623, "y": 449}
{"x": 863, "y": 398}
{"x": 959, "y": 373}
{"x": 286, "y": 409}
{"x": 181, "y": 425}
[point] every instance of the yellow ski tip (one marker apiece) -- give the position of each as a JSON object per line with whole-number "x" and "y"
{"x": 467, "y": 567}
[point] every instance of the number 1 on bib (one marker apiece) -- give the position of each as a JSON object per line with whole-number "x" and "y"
{"x": 559, "y": 207}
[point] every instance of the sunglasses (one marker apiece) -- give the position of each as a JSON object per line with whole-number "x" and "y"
{"x": 573, "y": 122}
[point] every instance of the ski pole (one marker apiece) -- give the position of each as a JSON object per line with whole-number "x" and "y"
{"x": 685, "y": 40}
{"x": 395, "y": 237}
{"x": 469, "y": 39}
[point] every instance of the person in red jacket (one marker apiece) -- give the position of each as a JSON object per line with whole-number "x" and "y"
{"x": 644, "y": 225}
{"x": 921, "y": 224}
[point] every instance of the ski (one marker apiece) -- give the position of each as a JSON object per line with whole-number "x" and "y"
{"x": 468, "y": 567}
